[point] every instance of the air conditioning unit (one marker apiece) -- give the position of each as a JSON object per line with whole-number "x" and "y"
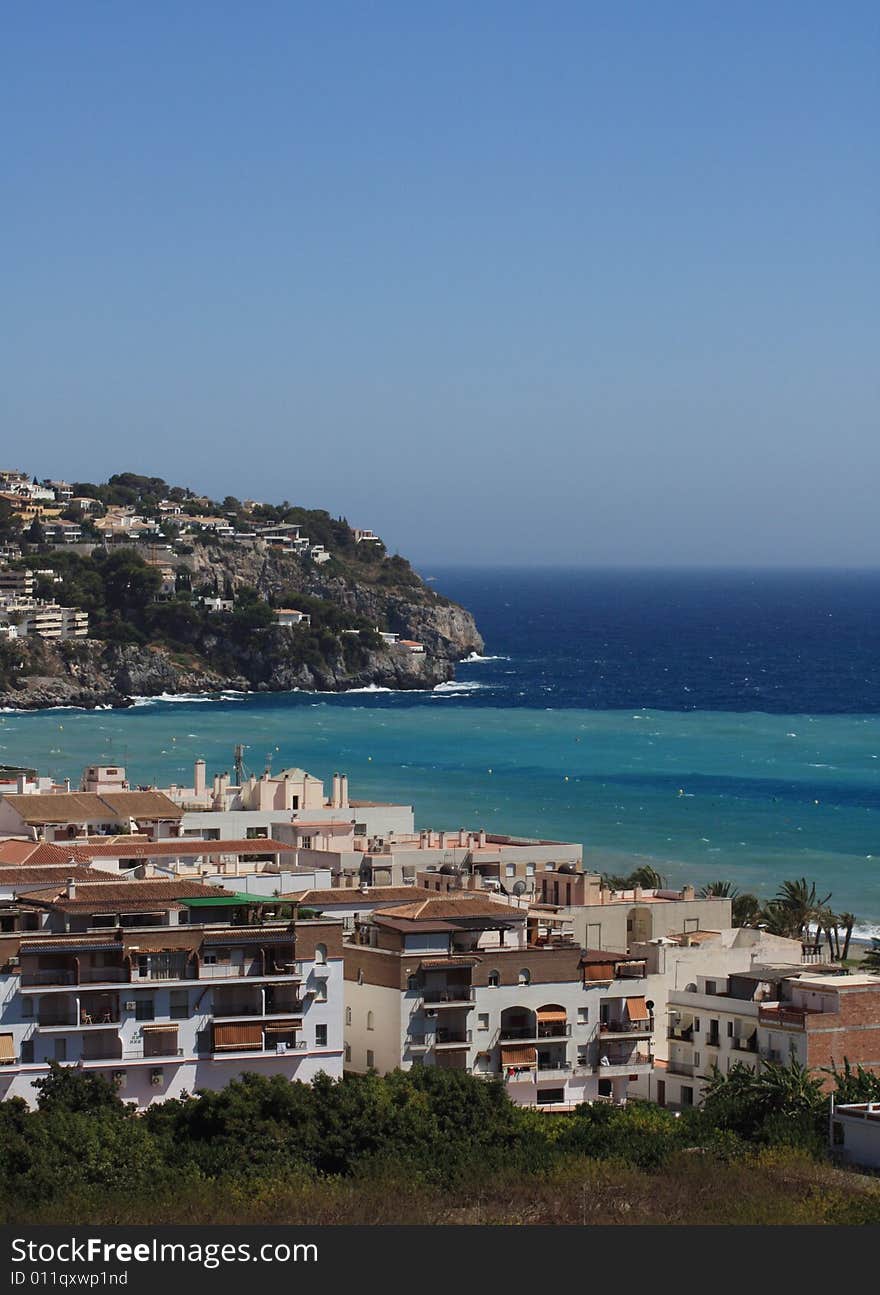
{"x": 156, "y": 1078}
{"x": 14, "y": 961}
{"x": 130, "y": 1006}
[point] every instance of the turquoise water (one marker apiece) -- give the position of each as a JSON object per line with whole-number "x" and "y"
{"x": 706, "y": 794}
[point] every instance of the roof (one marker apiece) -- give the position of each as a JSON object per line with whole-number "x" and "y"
{"x": 49, "y": 877}
{"x": 89, "y": 807}
{"x": 456, "y": 906}
{"x": 131, "y": 896}
{"x": 186, "y": 846}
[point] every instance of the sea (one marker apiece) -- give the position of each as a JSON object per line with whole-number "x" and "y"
{"x": 718, "y": 725}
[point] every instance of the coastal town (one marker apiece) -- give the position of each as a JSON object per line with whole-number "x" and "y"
{"x": 174, "y": 938}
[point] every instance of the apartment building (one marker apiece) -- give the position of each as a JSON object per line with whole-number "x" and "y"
{"x": 600, "y": 917}
{"x": 817, "y": 1014}
{"x": 16, "y": 583}
{"x": 165, "y": 988}
{"x": 71, "y": 816}
{"x": 452, "y": 981}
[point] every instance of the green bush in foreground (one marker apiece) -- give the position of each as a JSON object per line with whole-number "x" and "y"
{"x": 424, "y": 1145}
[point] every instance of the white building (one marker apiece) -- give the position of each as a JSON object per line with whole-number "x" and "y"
{"x": 454, "y": 982}
{"x": 161, "y": 1007}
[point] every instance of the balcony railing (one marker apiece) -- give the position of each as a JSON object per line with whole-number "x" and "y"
{"x": 627, "y": 1027}
{"x": 451, "y": 994}
{"x": 138, "y": 1054}
{"x": 452, "y": 1036}
{"x": 745, "y": 1045}
{"x": 537, "y": 1031}
{"x": 681, "y": 1036}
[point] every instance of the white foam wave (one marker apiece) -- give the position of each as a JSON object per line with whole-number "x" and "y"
{"x": 458, "y": 686}
{"x": 475, "y": 657}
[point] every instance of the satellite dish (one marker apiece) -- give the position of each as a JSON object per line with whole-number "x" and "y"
{"x": 519, "y": 887}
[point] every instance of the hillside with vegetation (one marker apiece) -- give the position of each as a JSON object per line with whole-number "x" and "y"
{"x": 153, "y": 628}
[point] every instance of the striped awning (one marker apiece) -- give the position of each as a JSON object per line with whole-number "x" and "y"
{"x": 160, "y": 1029}
{"x": 551, "y": 1016}
{"x": 637, "y": 1009}
{"x": 7, "y": 1048}
{"x": 240, "y": 1035}
{"x": 521, "y": 1055}
{"x": 284, "y": 1026}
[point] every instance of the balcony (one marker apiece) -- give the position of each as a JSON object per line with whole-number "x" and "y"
{"x": 623, "y": 1029}
{"x": 681, "y": 1035}
{"x": 537, "y": 1033}
{"x": 745, "y": 1045}
{"x": 452, "y": 1039}
{"x": 638, "y": 1063}
{"x": 450, "y": 996}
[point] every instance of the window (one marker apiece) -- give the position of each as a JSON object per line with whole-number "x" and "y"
{"x": 360, "y": 975}
{"x": 710, "y": 987}
{"x": 696, "y": 1024}
{"x": 687, "y": 1096}
{"x": 550, "y": 1096}
{"x": 306, "y": 843}
{"x": 360, "y": 829}
{"x": 257, "y": 833}
{"x": 178, "y": 1008}
{"x": 483, "y": 1021}
{"x": 348, "y": 1052}
{"x": 412, "y": 983}
{"x": 320, "y": 1036}
{"x": 696, "y": 1058}
{"x": 730, "y": 1029}
{"x": 530, "y": 870}
{"x": 60, "y": 1049}
{"x": 509, "y": 870}
{"x": 348, "y": 1016}
{"x": 524, "y": 977}
{"x": 27, "y": 1052}
{"x": 371, "y": 1059}
{"x": 583, "y": 1016}
{"x": 370, "y": 1021}
{"x": 145, "y": 1009}
{"x": 320, "y": 955}
{"x": 494, "y": 979}
{"x": 27, "y": 1007}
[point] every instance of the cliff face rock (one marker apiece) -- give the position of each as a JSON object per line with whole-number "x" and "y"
{"x": 411, "y": 610}
{"x": 89, "y": 673}
{"x": 387, "y": 595}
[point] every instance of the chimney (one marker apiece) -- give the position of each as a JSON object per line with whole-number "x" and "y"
{"x": 199, "y": 783}
{"x": 482, "y": 839}
{"x": 343, "y": 791}
{"x": 71, "y": 884}
{"x": 335, "y": 797}
{"x": 688, "y": 892}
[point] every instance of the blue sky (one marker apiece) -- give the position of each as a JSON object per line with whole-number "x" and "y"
{"x": 504, "y": 282}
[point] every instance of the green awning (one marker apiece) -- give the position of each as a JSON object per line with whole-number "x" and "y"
{"x": 223, "y": 901}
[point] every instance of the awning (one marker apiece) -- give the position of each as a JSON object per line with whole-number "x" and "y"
{"x": 238, "y": 1036}
{"x": 637, "y": 1009}
{"x": 523, "y": 1055}
{"x": 283, "y": 1027}
{"x": 7, "y": 1048}
{"x": 159, "y": 1029}
{"x": 551, "y": 1016}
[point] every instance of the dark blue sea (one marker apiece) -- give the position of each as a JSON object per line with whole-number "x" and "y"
{"x": 722, "y": 725}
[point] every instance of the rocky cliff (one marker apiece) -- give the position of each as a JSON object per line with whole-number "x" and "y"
{"x": 36, "y": 674}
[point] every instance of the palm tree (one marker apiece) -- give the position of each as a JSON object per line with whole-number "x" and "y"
{"x": 847, "y": 921}
{"x": 718, "y": 890}
{"x": 803, "y": 905}
{"x": 746, "y": 910}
